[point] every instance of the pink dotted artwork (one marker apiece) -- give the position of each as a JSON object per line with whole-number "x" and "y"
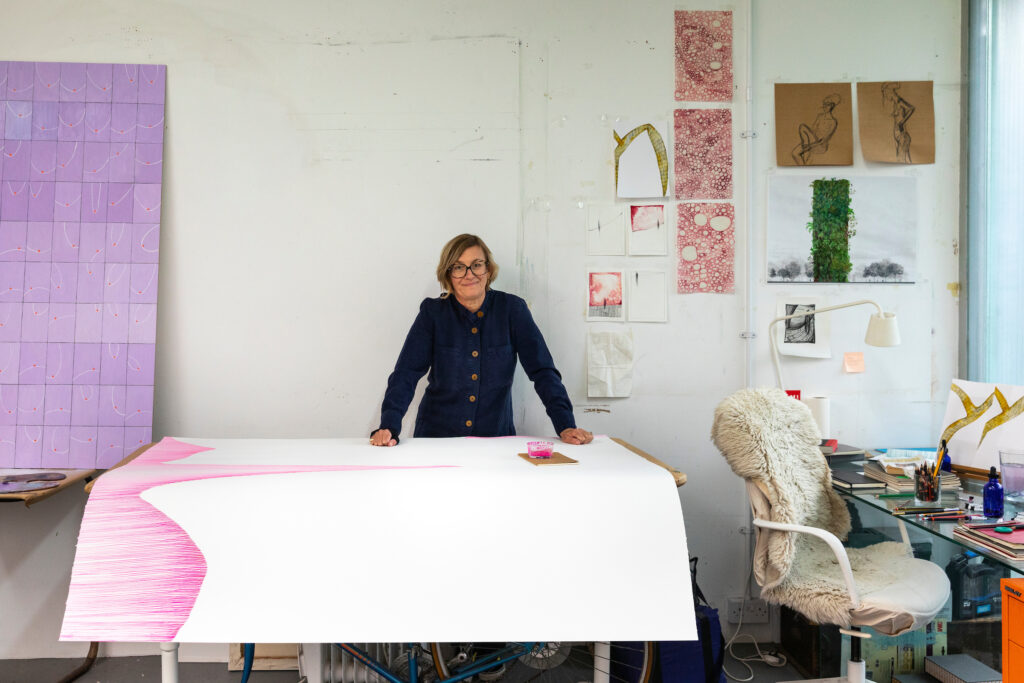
{"x": 703, "y": 151}
{"x": 81, "y": 159}
{"x": 703, "y": 56}
{"x": 706, "y": 242}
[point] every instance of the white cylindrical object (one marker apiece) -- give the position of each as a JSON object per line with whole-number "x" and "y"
{"x": 169, "y": 662}
{"x": 820, "y": 411}
{"x": 602, "y": 661}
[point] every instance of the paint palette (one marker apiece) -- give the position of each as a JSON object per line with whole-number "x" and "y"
{"x": 81, "y": 158}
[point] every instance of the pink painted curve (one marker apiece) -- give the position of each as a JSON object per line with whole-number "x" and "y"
{"x": 137, "y": 573}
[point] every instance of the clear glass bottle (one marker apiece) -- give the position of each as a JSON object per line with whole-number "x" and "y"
{"x": 993, "y": 495}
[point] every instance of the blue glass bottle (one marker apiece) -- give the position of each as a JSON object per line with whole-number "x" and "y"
{"x": 993, "y": 495}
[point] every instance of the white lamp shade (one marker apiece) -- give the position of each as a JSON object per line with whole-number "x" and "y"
{"x": 883, "y": 330}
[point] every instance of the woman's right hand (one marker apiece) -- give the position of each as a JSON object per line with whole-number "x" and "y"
{"x": 382, "y": 437}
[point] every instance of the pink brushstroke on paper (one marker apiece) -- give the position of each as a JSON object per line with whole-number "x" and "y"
{"x": 703, "y": 153}
{"x": 703, "y": 56}
{"x": 706, "y": 245}
{"x": 646, "y": 217}
{"x": 137, "y": 573}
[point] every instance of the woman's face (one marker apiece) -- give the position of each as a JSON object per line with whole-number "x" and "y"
{"x": 471, "y": 286}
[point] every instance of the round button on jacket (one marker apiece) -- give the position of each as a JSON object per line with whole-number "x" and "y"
{"x": 475, "y": 354}
{"x": 469, "y": 423}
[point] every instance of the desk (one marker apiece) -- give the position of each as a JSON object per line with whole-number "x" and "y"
{"x": 978, "y": 637}
{"x": 435, "y": 540}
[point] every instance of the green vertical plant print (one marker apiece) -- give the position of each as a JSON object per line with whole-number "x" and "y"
{"x": 831, "y": 228}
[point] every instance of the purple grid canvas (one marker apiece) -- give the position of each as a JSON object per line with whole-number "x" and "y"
{"x": 81, "y": 159}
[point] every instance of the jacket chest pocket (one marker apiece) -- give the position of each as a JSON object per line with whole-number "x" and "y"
{"x": 500, "y": 365}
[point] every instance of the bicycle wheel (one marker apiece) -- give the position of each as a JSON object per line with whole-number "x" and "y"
{"x": 628, "y": 662}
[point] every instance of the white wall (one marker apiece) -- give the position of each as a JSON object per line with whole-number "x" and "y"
{"x": 263, "y": 332}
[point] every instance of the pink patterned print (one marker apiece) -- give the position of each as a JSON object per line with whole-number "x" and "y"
{"x": 137, "y": 573}
{"x": 706, "y": 243}
{"x": 704, "y": 56}
{"x": 703, "y": 145}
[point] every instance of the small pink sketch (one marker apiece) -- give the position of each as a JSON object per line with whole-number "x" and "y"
{"x": 703, "y": 146}
{"x": 604, "y": 300}
{"x": 703, "y": 56}
{"x": 706, "y": 242}
{"x": 649, "y": 217}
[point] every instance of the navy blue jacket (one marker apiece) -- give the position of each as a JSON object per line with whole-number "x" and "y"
{"x": 471, "y": 358}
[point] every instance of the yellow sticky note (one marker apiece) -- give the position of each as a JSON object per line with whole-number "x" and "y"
{"x": 853, "y": 361}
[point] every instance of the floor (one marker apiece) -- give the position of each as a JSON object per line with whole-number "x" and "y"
{"x": 133, "y": 669}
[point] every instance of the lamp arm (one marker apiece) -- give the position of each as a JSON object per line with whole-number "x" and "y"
{"x": 771, "y": 330}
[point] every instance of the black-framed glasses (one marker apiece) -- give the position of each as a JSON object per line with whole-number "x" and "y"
{"x": 459, "y": 270}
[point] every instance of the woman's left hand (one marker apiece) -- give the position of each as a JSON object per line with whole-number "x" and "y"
{"x": 576, "y": 436}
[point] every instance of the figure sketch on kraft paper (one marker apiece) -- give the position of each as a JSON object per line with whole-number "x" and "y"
{"x": 813, "y": 124}
{"x": 897, "y": 121}
{"x": 604, "y": 295}
{"x": 858, "y": 229}
{"x": 815, "y": 138}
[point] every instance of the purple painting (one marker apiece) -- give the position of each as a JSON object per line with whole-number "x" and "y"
{"x": 81, "y": 164}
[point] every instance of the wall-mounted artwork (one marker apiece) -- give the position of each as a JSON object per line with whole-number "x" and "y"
{"x": 609, "y": 363}
{"x": 647, "y": 292}
{"x": 808, "y": 335}
{"x": 648, "y": 230}
{"x": 813, "y": 124}
{"x": 81, "y": 152}
{"x": 706, "y": 246}
{"x": 703, "y": 153}
{"x": 852, "y": 229}
{"x": 641, "y": 158}
{"x": 981, "y": 420}
{"x": 704, "y": 56}
{"x": 606, "y": 229}
{"x": 897, "y": 121}
{"x": 605, "y": 295}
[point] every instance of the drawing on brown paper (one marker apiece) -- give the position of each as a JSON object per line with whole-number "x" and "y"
{"x": 813, "y": 124}
{"x": 897, "y": 121}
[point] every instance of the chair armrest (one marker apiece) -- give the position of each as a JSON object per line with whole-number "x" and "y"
{"x": 833, "y": 543}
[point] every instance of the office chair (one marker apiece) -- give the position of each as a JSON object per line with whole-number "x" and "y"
{"x": 772, "y": 441}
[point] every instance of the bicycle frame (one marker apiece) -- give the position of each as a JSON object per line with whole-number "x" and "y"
{"x": 501, "y": 656}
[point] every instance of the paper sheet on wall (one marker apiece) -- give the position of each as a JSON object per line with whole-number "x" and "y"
{"x": 807, "y": 336}
{"x": 982, "y": 419}
{"x": 648, "y": 296}
{"x": 813, "y": 124}
{"x": 641, "y": 158}
{"x": 606, "y": 229}
{"x": 609, "y": 364}
{"x": 896, "y": 120}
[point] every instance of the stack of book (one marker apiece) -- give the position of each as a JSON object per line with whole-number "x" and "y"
{"x": 894, "y": 477}
{"x": 854, "y": 480}
{"x": 960, "y": 669}
{"x": 1005, "y": 539}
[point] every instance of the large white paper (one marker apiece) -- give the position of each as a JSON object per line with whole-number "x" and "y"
{"x": 641, "y": 173}
{"x": 808, "y": 336}
{"x": 408, "y": 555}
{"x": 609, "y": 363}
{"x": 648, "y": 296}
{"x": 982, "y": 419}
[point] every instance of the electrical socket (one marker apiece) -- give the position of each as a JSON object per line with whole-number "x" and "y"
{"x": 755, "y": 611}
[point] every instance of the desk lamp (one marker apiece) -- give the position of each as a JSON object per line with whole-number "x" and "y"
{"x": 882, "y": 330}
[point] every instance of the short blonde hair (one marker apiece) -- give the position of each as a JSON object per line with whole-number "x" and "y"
{"x": 450, "y": 254}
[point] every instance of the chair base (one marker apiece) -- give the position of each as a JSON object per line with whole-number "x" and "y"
{"x": 855, "y": 673}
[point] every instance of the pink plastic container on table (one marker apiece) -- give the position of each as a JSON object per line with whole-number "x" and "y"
{"x": 539, "y": 449}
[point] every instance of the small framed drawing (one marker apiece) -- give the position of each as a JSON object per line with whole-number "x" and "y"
{"x": 606, "y": 229}
{"x": 604, "y": 295}
{"x": 648, "y": 296}
{"x": 804, "y": 335}
{"x": 648, "y": 230}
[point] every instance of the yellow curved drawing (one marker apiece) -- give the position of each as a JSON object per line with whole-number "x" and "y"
{"x": 659, "y": 150}
{"x": 973, "y": 412}
{"x": 1008, "y": 413}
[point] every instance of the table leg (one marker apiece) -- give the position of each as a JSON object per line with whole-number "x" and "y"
{"x": 602, "y": 661}
{"x": 169, "y": 662}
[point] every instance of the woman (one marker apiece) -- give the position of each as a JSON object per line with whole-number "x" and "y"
{"x": 468, "y": 339}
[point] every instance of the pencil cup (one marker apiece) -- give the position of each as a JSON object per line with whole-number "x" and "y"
{"x": 927, "y": 485}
